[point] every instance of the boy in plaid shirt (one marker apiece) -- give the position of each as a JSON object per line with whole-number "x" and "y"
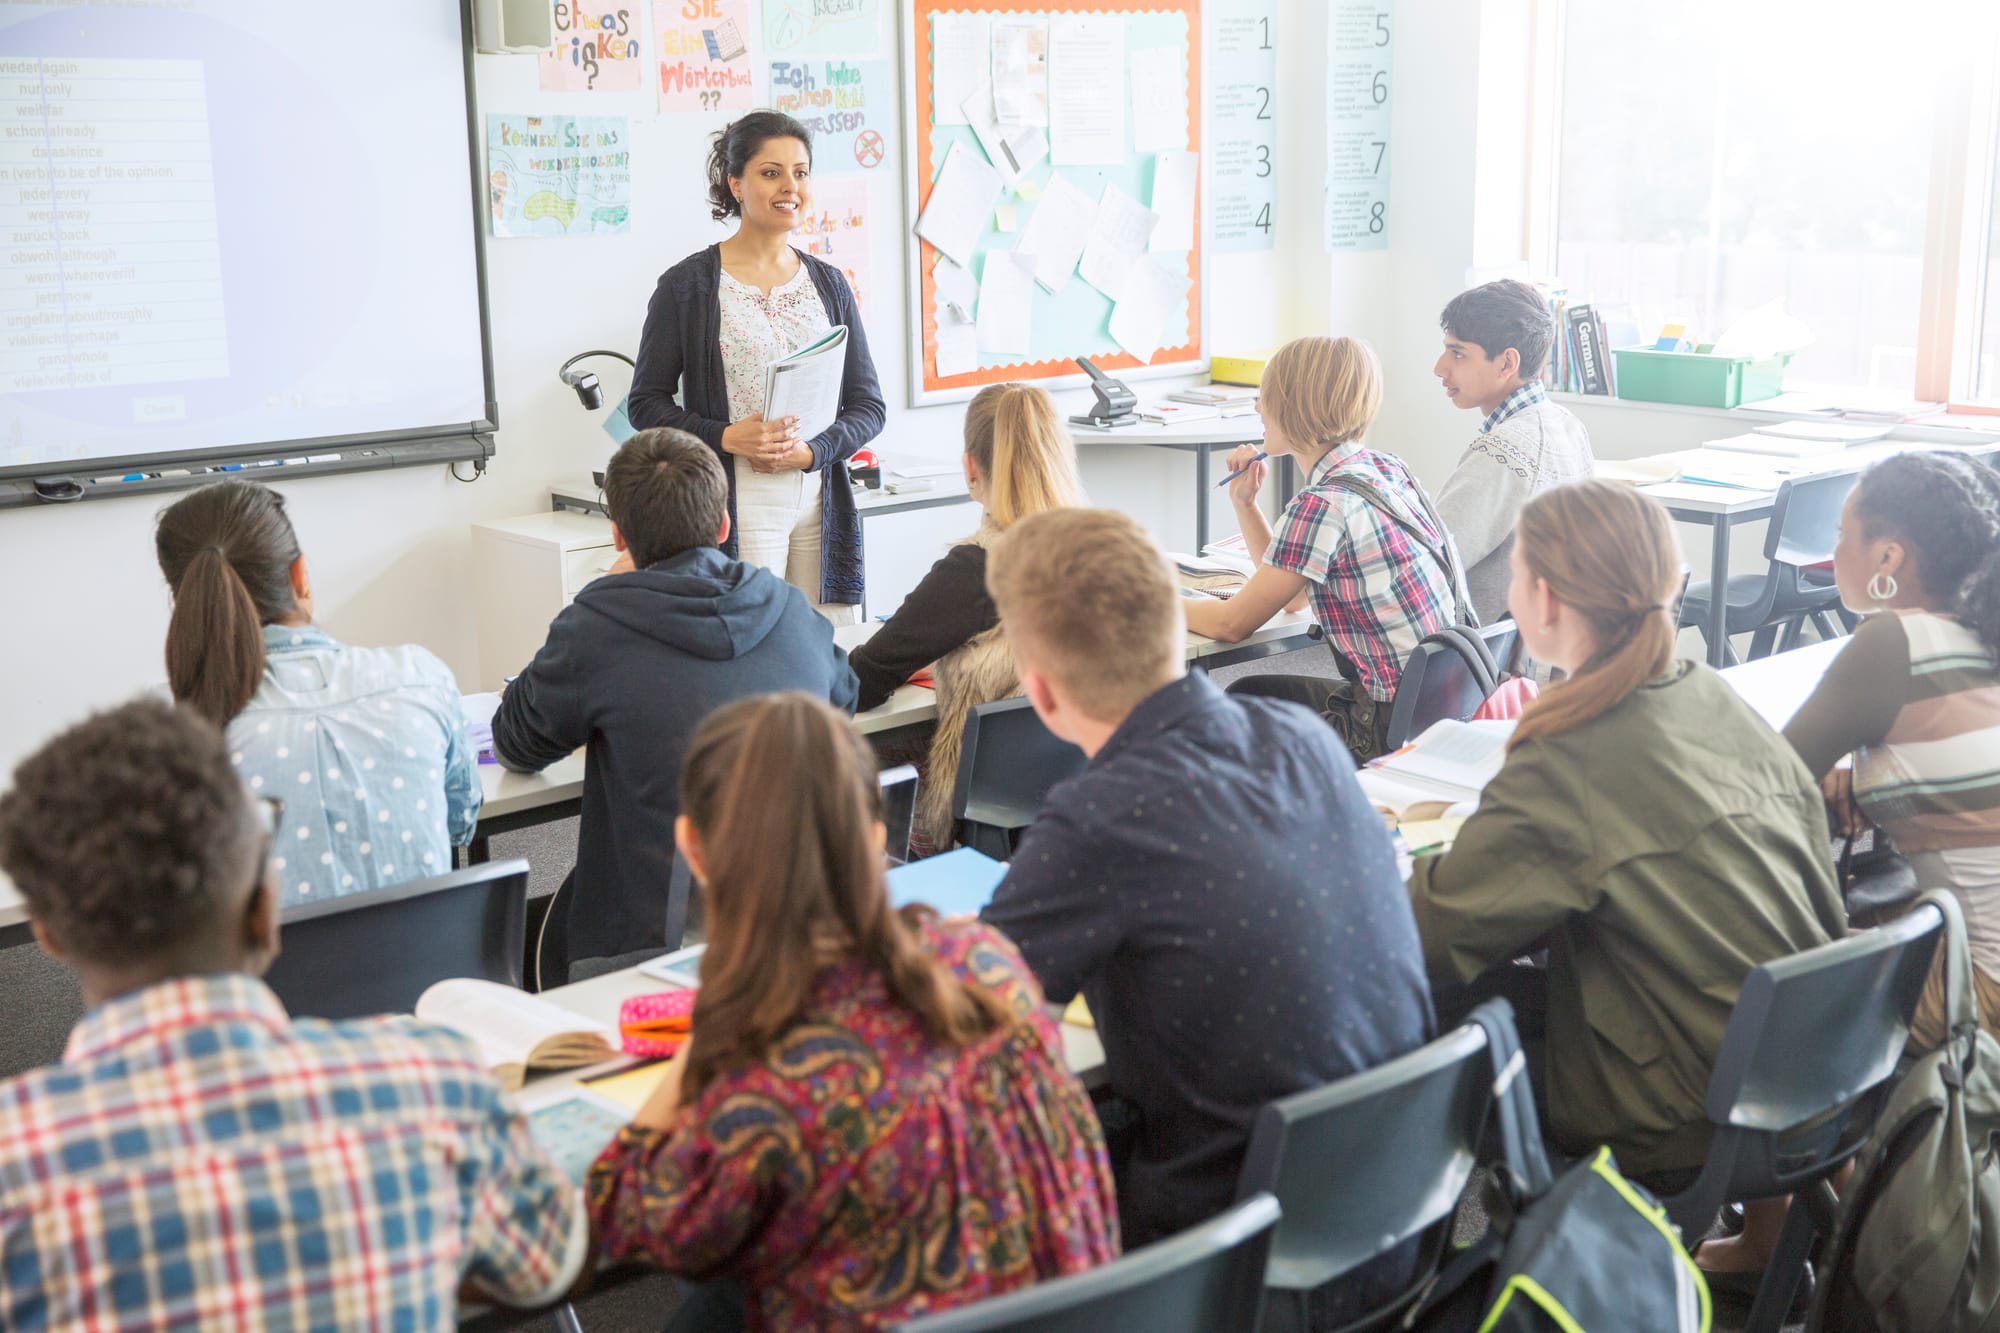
{"x": 1360, "y": 543}
{"x": 198, "y": 1159}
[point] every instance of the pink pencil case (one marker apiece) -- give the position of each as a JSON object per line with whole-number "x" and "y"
{"x": 653, "y": 1027}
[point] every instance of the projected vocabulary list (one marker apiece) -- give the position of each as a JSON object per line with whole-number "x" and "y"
{"x": 107, "y": 211}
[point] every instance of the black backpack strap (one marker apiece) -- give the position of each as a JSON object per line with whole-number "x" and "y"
{"x": 1471, "y": 646}
{"x": 1439, "y": 549}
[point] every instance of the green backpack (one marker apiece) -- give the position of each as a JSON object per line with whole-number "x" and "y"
{"x": 1916, "y": 1243}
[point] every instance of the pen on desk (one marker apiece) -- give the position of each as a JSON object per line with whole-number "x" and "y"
{"x": 1261, "y": 457}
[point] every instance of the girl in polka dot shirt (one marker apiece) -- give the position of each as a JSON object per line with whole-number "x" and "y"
{"x": 366, "y": 747}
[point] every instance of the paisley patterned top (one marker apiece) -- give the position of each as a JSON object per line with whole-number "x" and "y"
{"x": 861, "y": 1174}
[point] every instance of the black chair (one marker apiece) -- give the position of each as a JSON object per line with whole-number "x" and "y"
{"x": 1006, "y": 764}
{"x": 376, "y": 952}
{"x": 1208, "y": 1278}
{"x": 1805, "y": 524}
{"x": 1438, "y": 682}
{"x": 1811, "y": 1048}
{"x": 899, "y": 809}
{"x": 1420, "y": 1116}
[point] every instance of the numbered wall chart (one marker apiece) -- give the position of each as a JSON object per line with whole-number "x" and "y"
{"x": 1243, "y": 125}
{"x": 1359, "y": 41}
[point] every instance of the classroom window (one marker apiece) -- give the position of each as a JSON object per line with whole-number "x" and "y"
{"x": 1769, "y": 152}
{"x": 1986, "y": 353}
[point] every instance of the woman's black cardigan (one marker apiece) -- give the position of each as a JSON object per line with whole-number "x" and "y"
{"x": 680, "y": 351}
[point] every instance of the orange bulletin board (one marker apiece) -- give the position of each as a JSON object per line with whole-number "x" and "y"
{"x": 1076, "y": 321}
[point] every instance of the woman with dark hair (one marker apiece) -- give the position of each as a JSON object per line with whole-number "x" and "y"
{"x": 872, "y": 1118}
{"x": 366, "y": 747}
{"x": 1915, "y": 694}
{"x": 1647, "y": 829}
{"x": 717, "y": 319}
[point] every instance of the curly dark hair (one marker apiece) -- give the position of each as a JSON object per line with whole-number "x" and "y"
{"x": 1946, "y": 508}
{"x": 736, "y": 143}
{"x": 122, "y": 832}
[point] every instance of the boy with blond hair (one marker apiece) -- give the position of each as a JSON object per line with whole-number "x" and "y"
{"x": 1214, "y": 881}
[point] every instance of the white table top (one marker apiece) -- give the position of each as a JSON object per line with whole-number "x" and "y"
{"x": 1776, "y": 686}
{"x": 1690, "y": 498}
{"x": 911, "y": 705}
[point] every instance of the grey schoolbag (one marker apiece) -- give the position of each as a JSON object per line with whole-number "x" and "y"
{"x": 1916, "y": 1243}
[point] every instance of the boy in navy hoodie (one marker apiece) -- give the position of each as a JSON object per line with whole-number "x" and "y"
{"x": 635, "y": 664}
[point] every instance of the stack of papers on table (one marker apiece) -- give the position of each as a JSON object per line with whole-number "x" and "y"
{"x": 1778, "y": 446}
{"x": 1842, "y": 432}
{"x": 1440, "y": 773}
{"x": 1166, "y": 414}
{"x": 1750, "y": 472}
{"x": 1217, "y": 394}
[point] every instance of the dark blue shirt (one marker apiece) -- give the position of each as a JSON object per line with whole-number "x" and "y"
{"x": 1226, "y": 899}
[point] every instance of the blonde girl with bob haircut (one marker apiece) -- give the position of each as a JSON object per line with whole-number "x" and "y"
{"x": 1019, "y": 460}
{"x": 872, "y": 1118}
{"x": 1647, "y": 828}
{"x": 1361, "y": 543}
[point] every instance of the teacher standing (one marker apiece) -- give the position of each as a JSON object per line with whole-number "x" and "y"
{"x": 717, "y": 319}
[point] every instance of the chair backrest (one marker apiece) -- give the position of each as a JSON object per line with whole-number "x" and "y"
{"x": 376, "y": 952}
{"x": 899, "y": 809}
{"x": 1805, "y": 517}
{"x": 1007, "y": 763}
{"x": 1209, "y": 1277}
{"x": 1420, "y": 1117}
{"x": 1438, "y": 683}
{"x": 1811, "y": 1036}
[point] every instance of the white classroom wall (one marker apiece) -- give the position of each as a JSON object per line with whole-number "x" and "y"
{"x": 83, "y": 610}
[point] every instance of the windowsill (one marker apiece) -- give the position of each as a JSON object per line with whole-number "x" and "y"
{"x": 1749, "y": 416}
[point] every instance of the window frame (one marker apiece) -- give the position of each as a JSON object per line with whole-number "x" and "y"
{"x": 1959, "y": 213}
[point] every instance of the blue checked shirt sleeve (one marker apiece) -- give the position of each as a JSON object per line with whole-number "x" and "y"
{"x": 526, "y": 1232}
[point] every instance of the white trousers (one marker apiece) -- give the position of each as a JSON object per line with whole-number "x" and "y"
{"x": 778, "y": 517}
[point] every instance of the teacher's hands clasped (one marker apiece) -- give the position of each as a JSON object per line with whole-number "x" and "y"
{"x": 769, "y": 446}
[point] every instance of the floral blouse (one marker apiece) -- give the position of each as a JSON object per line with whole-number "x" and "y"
{"x": 860, "y": 1175}
{"x": 758, "y": 329}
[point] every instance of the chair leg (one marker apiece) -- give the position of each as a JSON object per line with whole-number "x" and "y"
{"x": 1795, "y": 634}
{"x": 1762, "y": 641}
{"x": 565, "y": 1320}
{"x": 1826, "y": 626}
{"x": 1783, "y": 1273}
{"x": 1729, "y": 657}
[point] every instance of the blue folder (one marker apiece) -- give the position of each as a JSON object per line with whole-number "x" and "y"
{"x": 957, "y": 883}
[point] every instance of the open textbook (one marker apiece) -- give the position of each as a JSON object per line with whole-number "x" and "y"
{"x": 1441, "y": 773}
{"x": 807, "y": 383}
{"x": 516, "y": 1031}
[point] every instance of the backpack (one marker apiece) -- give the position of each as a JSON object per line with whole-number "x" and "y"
{"x": 1916, "y": 1242}
{"x": 1586, "y": 1251}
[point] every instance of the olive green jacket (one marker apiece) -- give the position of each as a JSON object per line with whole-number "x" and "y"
{"x": 1659, "y": 852}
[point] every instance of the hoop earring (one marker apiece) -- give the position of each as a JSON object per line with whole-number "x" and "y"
{"x": 1881, "y": 587}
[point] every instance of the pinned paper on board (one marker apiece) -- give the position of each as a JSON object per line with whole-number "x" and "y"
{"x": 822, "y": 27}
{"x": 1118, "y": 239}
{"x": 1153, "y": 293}
{"x": 961, "y": 64}
{"x": 1086, "y": 90}
{"x": 957, "y": 343}
{"x": 558, "y": 175}
{"x": 1006, "y": 304}
{"x": 1175, "y": 176}
{"x": 960, "y": 204}
{"x": 595, "y": 52}
{"x": 1020, "y": 72}
{"x": 1003, "y": 219}
{"x": 1056, "y": 230}
{"x": 1014, "y": 150}
{"x": 956, "y": 286}
{"x": 1159, "y": 100}
{"x": 704, "y": 60}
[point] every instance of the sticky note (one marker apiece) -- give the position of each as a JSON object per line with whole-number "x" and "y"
{"x": 1003, "y": 218}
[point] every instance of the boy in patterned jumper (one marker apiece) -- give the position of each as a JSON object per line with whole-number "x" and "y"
{"x": 1496, "y": 343}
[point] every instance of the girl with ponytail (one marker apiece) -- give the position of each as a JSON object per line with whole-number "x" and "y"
{"x": 365, "y": 746}
{"x": 1647, "y": 829}
{"x": 1019, "y": 460}
{"x": 1914, "y": 696}
{"x": 872, "y": 1117}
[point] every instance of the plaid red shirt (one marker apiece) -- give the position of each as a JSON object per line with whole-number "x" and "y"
{"x": 1374, "y": 590}
{"x": 200, "y": 1160}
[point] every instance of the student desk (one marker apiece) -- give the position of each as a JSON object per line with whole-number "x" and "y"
{"x": 1776, "y": 687}
{"x": 1722, "y": 508}
{"x": 521, "y": 800}
{"x": 1200, "y": 438}
{"x": 947, "y": 489}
